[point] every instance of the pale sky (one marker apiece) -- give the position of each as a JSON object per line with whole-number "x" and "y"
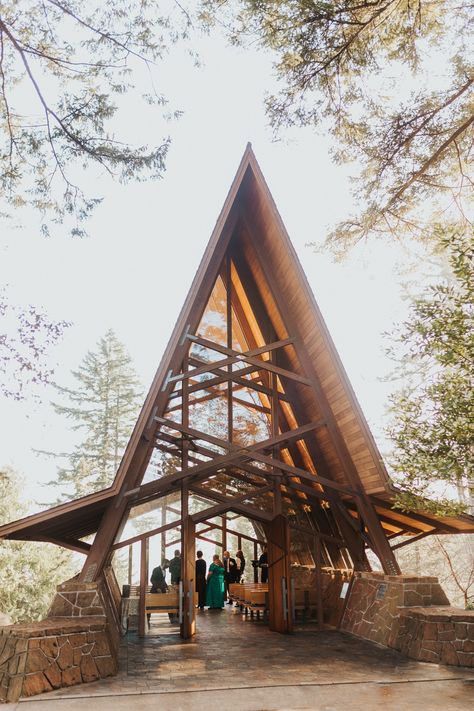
{"x": 133, "y": 272}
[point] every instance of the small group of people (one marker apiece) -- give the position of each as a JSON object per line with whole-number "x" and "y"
{"x": 213, "y": 588}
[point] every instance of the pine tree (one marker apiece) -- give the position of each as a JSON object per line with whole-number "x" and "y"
{"x": 104, "y": 406}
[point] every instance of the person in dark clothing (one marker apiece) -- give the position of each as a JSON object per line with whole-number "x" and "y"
{"x": 157, "y": 580}
{"x": 201, "y": 568}
{"x": 230, "y": 572}
{"x": 240, "y": 565}
{"x": 175, "y": 568}
{"x": 263, "y": 565}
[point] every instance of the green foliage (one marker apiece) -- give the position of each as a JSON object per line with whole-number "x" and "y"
{"x": 29, "y": 572}
{"x": 104, "y": 406}
{"x": 391, "y": 80}
{"x": 433, "y": 428}
{"x": 64, "y": 66}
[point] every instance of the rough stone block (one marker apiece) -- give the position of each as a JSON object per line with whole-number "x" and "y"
{"x": 13, "y": 691}
{"x": 53, "y": 675}
{"x": 86, "y": 599}
{"x": 101, "y": 644}
{"x": 65, "y": 658}
{"x": 89, "y": 669}
{"x": 106, "y": 666}
{"x": 35, "y": 684}
{"x": 466, "y": 659}
{"x": 468, "y": 646}
{"x": 50, "y": 647}
{"x": 449, "y": 654}
{"x": 447, "y": 635}
{"x": 71, "y": 676}
{"x": 78, "y": 639}
{"x": 36, "y": 661}
{"x": 93, "y": 611}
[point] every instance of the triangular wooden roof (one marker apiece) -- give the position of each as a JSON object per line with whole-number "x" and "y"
{"x": 272, "y": 303}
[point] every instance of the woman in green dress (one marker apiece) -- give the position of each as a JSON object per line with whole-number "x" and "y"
{"x": 215, "y": 584}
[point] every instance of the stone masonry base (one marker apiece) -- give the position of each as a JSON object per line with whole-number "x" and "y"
{"x": 412, "y": 615}
{"x": 77, "y": 643}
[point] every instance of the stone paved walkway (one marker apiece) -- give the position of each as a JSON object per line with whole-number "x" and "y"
{"x": 232, "y": 652}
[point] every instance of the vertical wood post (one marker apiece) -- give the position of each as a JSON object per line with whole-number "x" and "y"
{"x": 255, "y": 557}
{"x": 143, "y": 586}
{"x": 224, "y": 532}
{"x": 188, "y": 555}
{"x": 319, "y": 583}
{"x": 130, "y": 564}
{"x": 279, "y": 585}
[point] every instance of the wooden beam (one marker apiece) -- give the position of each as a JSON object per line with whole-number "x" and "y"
{"x": 147, "y": 534}
{"x": 226, "y": 503}
{"x": 71, "y": 544}
{"x": 212, "y": 345}
{"x": 414, "y": 539}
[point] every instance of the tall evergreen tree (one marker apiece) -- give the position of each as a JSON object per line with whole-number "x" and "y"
{"x": 104, "y": 406}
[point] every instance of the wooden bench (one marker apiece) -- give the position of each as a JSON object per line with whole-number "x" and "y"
{"x": 158, "y": 603}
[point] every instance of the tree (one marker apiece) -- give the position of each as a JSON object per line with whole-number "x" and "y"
{"x": 64, "y": 66}
{"x": 29, "y": 571}
{"x": 392, "y": 80}
{"x": 104, "y": 406}
{"x": 27, "y": 336}
{"x": 450, "y": 558}
{"x": 432, "y": 430}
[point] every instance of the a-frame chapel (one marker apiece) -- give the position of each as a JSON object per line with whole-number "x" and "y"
{"x": 250, "y": 415}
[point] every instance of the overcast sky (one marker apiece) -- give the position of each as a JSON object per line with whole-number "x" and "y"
{"x": 133, "y": 272}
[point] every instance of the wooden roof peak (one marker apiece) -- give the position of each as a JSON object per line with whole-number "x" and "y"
{"x": 337, "y": 446}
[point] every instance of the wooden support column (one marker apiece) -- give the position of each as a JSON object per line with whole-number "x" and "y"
{"x": 143, "y": 586}
{"x": 255, "y": 557}
{"x": 163, "y": 534}
{"x": 279, "y": 588}
{"x": 224, "y": 532}
{"x": 130, "y": 564}
{"x": 319, "y": 582}
{"x": 188, "y": 556}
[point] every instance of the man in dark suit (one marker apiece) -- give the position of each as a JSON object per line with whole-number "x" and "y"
{"x": 201, "y": 567}
{"x": 230, "y": 572}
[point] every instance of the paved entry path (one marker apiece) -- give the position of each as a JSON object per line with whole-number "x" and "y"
{"x": 235, "y": 663}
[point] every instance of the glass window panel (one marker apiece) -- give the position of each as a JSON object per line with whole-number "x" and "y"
{"x": 150, "y": 515}
{"x": 213, "y": 324}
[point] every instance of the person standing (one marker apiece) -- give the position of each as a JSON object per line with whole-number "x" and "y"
{"x": 240, "y": 566}
{"x": 263, "y": 565}
{"x": 201, "y": 567}
{"x": 215, "y": 584}
{"x": 175, "y": 568}
{"x": 230, "y": 573}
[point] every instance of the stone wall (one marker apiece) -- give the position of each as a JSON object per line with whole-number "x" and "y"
{"x": 52, "y": 653}
{"x": 435, "y": 634}
{"x": 78, "y": 642}
{"x": 411, "y": 614}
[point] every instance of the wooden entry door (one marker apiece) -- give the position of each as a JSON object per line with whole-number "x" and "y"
{"x": 277, "y": 532}
{"x": 188, "y": 623}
